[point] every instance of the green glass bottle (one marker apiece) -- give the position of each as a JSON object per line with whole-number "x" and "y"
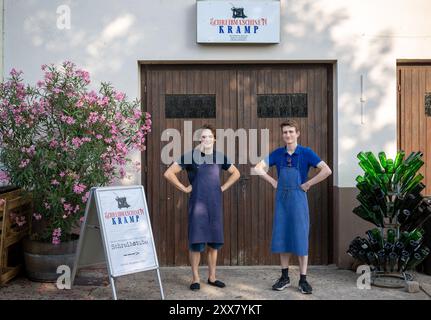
{"x": 366, "y": 215}
{"x": 416, "y": 259}
{"x": 390, "y": 167}
{"x": 404, "y": 237}
{"x": 403, "y": 215}
{"x": 416, "y": 234}
{"x": 390, "y": 236}
{"x": 399, "y": 172}
{"x": 383, "y": 160}
{"x": 399, "y": 159}
{"x": 375, "y": 238}
{"x": 393, "y": 259}
{"x": 360, "y": 179}
{"x": 413, "y": 183}
{"x": 403, "y": 260}
{"x": 374, "y": 162}
{"x": 362, "y": 156}
{"x": 372, "y": 258}
{"x": 411, "y": 172}
{"x": 381, "y": 257}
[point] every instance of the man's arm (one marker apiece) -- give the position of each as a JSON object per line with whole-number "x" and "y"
{"x": 234, "y": 176}
{"x": 171, "y": 175}
{"x": 260, "y": 170}
{"x": 324, "y": 172}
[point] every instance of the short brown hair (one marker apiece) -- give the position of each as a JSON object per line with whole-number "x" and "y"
{"x": 209, "y": 127}
{"x": 290, "y": 123}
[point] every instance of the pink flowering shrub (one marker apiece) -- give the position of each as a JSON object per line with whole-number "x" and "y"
{"x": 58, "y": 139}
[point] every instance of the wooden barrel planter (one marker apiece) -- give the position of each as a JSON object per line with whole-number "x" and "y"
{"x": 42, "y": 259}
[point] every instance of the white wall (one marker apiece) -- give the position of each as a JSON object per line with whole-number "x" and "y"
{"x": 366, "y": 37}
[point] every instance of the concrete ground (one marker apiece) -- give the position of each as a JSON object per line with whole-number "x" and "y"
{"x": 249, "y": 282}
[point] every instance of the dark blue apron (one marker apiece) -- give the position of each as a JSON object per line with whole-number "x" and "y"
{"x": 291, "y": 220}
{"x": 205, "y": 206}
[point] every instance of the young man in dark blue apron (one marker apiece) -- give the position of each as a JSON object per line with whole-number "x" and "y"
{"x": 291, "y": 219}
{"x": 205, "y": 224}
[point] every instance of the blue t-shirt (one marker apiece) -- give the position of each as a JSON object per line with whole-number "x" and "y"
{"x": 190, "y": 161}
{"x": 280, "y": 158}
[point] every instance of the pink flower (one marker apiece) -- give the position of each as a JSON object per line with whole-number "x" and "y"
{"x": 37, "y": 216}
{"x": 67, "y": 206}
{"x": 76, "y": 142}
{"x": 4, "y": 177}
{"x": 82, "y": 219}
{"x": 20, "y": 221}
{"x": 40, "y": 83}
{"x": 99, "y": 136}
{"x": 47, "y": 206}
{"x": 79, "y": 188}
{"x": 24, "y": 163}
{"x": 53, "y": 144}
{"x": 85, "y": 197}
{"x": 54, "y": 182}
{"x": 122, "y": 173}
{"x": 67, "y": 119}
{"x": 137, "y": 114}
{"x": 103, "y": 102}
{"x": 119, "y": 96}
{"x": 30, "y": 151}
{"x": 84, "y": 75}
{"x": 15, "y": 73}
{"x": 93, "y": 117}
{"x": 62, "y": 174}
{"x": 56, "y": 234}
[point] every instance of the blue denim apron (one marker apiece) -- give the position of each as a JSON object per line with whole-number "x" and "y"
{"x": 205, "y": 206}
{"x": 291, "y": 220}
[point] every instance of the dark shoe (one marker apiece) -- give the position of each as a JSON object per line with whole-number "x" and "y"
{"x": 195, "y": 286}
{"x": 304, "y": 287}
{"x": 217, "y": 283}
{"x": 281, "y": 284}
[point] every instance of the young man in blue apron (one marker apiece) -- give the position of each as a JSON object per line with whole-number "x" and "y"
{"x": 291, "y": 220}
{"x": 205, "y": 224}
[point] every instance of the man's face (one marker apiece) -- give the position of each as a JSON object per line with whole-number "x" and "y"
{"x": 290, "y": 135}
{"x": 207, "y": 138}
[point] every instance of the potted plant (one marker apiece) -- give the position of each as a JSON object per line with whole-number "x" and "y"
{"x": 58, "y": 139}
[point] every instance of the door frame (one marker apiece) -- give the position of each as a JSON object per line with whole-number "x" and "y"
{"x": 331, "y": 66}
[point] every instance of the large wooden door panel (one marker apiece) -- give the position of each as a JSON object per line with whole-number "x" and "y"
{"x": 249, "y": 204}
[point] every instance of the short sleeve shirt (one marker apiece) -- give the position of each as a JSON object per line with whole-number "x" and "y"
{"x": 192, "y": 160}
{"x": 307, "y": 158}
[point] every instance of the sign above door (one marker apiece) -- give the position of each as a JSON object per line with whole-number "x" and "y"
{"x": 238, "y": 21}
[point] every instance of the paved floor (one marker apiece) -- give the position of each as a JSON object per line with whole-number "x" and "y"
{"x": 328, "y": 282}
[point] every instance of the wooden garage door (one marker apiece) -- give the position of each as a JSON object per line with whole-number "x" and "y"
{"x": 240, "y": 94}
{"x": 414, "y": 114}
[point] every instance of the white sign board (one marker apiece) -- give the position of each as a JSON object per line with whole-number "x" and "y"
{"x": 238, "y": 21}
{"x": 117, "y": 220}
{"x": 126, "y": 229}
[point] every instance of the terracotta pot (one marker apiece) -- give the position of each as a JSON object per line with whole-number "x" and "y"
{"x": 42, "y": 259}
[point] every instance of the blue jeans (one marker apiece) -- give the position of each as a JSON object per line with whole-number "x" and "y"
{"x": 200, "y": 247}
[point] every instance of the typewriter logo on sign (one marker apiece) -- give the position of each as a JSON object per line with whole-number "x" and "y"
{"x": 238, "y": 13}
{"x": 122, "y": 202}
